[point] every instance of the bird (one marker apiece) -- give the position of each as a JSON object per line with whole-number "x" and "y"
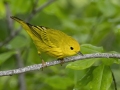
{"x": 51, "y": 41}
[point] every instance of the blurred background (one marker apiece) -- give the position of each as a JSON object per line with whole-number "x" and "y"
{"x": 94, "y": 22}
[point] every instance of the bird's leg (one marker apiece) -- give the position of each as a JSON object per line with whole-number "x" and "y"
{"x": 62, "y": 61}
{"x": 79, "y": 53}
{"x": 43, "y": 62}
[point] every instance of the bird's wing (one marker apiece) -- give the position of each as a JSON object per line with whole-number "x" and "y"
{"x": 42, "y": 34}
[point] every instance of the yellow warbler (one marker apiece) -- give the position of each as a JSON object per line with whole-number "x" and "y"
{"x": 50, "y": 41}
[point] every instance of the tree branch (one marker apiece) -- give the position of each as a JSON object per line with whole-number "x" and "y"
{"x": 55, "y": 62}
{"x": 36, "y": 10}
{"x": 21, "y": 77}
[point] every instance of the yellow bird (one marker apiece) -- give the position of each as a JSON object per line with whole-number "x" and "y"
{"x": 50, "y": 41}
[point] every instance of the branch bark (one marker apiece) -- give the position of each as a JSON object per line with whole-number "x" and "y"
{"x": 55, "y": 62}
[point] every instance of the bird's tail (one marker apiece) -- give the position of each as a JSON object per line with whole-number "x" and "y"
{"x": 25, "y": 25}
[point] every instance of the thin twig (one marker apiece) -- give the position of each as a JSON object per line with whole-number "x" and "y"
{"x": 36, "y": 10}
{"x": 8, "y": 14}
{"x": 55, "y": 62}
{"x": 8, "y": 39}
{"x": 10, "y": 26}
{"x": 21, "y": 77}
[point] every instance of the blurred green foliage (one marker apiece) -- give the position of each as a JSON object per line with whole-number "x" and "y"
{"x": 94, "y": 23}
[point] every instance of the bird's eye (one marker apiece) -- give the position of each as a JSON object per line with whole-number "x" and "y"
{"x": 71, "y": 48}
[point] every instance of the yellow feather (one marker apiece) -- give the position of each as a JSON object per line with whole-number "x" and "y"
{"x": 52, "y": 42}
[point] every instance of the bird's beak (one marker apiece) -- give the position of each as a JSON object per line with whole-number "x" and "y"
{"x": 79, "y": 53}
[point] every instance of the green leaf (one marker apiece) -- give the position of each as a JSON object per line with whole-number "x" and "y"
{"x": 118, "y": 61}
{"x": 110, "y": 61}
{"x": 81, "y": 64}
{"x": 88, "y": 48}
{"x": 59, "y": 83}
{"x": 20, "y": 8}
{"x": 83, "y": 83}
{"x": 97, "y": 78}
{"x": 18, "y": 42}
{"x": 2, "y": 9}
{"x": 107, "y": 7}
{"x": 5, "y": 56}
{"x": 102, "y": 78}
